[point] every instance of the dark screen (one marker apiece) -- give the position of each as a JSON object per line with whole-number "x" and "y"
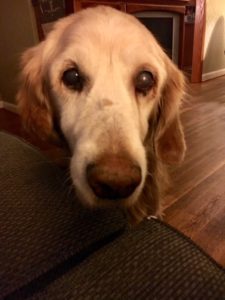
{"x": 162, "y": 29}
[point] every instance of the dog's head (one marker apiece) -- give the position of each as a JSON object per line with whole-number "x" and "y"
{"x": 116, "y": 95}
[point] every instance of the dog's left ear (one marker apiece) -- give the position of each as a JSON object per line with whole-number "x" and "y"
{"x": 169, "y": 140}
{"x": 32, "y": 97}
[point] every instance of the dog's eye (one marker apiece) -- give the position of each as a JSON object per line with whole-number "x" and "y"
{"x": 144, "y": 82}
{"x": 73, "y": 79}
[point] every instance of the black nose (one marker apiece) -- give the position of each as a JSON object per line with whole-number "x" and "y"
{"x": 113, "y": 177}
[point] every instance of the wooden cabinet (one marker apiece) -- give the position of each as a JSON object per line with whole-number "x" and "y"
{"x": 175, "y": 5}
{"x": 142, "y": 2}
{"x": 78, "y": 5}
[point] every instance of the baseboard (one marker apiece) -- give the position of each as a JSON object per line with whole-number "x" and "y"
{"x": 214, "y": 74}
{"x": 9, "y": 106}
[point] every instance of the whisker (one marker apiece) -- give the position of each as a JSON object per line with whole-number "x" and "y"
{"x": 149, "y": 174}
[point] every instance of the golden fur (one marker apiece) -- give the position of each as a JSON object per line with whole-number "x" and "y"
{"x": 110, "y": 47}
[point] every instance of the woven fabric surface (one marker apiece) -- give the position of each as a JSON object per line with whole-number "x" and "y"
{"x": 43, "y": 229}
{"x": 52, "y": 248}
{"x": 149, "y": 262}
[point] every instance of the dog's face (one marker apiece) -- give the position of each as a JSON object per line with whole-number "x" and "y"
{"x": 112, "y": 89}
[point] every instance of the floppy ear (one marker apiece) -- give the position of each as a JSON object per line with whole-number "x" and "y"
{"x": 169, "y": 143}
{"x": 32, "y": 97}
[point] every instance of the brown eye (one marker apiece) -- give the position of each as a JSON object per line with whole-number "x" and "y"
{"x": 73, "y": 79}
{"x": 144, "y": 82}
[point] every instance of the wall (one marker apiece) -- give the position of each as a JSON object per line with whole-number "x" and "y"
{"x": 17, "y": 32}
{"x": 214, "y": 55}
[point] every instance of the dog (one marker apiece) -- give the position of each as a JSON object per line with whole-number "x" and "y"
{"x": 116, "y": 96}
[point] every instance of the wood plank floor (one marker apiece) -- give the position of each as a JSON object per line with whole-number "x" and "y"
{"x": 195, "y": 204}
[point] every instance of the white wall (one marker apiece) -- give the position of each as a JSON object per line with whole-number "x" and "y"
{"x": 17, "y": 32}
{"x": 214, "y": 55}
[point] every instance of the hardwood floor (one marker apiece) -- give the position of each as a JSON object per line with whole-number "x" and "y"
{"x": 195, "y": 204}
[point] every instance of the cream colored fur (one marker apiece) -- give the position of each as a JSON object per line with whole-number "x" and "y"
{"x": 108, "y": 116}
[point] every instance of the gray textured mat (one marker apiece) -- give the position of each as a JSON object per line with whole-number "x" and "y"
{"x": 52, "y": 248}
{"x": 151, "y": 262}
{"x": 41, "y": 223}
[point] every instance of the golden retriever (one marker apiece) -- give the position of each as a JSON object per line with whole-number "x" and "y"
{"x": 102, "y": 76}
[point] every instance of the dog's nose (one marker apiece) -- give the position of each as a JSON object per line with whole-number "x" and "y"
{"x": 113, "y": 177}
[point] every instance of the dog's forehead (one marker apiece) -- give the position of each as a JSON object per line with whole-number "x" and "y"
{"x": 103, "y": 30}
{"x": 105, "y": 25}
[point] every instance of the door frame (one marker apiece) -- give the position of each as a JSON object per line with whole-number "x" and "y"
{"x": 199, "y": 39}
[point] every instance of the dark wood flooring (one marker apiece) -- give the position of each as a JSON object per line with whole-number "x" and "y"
{"x": 196, "y": 202}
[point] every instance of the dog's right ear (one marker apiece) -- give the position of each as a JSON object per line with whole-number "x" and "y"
{"x": 32, "y": 97}
{"x": 170, "y": 142}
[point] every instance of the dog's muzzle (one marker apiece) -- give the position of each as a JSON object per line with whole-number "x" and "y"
{"x": 113, "y": 177}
